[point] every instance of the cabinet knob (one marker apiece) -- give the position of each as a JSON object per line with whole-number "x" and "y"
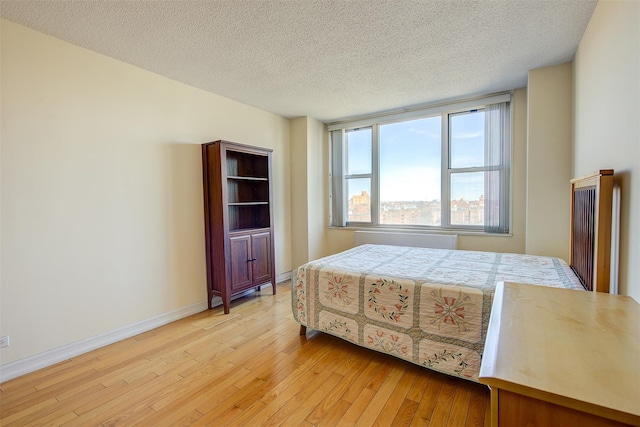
{"x": 252, "y": 259}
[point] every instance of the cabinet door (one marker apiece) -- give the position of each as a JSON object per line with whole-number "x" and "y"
{"x": 261, "y": 250}
{"x": 241, "y": 262}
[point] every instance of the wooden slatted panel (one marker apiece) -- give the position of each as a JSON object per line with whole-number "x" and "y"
{"x": 591, "y": 217}
{"x": 584, "y": 200}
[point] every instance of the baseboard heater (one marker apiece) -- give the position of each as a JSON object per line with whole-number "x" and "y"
{"x": 419, "y": 240}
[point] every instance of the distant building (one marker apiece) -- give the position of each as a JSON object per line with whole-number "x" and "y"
{"x": 360, "y": 208}
{"x": 463, "y": 212}
{"x": 362, "y": 199}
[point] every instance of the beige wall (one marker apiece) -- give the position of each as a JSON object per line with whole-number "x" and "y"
{"x": 549, "y": 160}
{"x": 340, "y": 239}
{"x": 309, "y": 191}
{"x": 102, "y": 216}
{"x": 607, "y": 118}
{"x": 317, "y": 187}
{"x": 299, "y": 193}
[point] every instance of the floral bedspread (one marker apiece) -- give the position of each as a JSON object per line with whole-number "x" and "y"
{"x": 428, "y": 306}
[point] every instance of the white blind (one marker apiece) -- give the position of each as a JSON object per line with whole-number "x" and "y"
{"x": 338, "y": 200}
{"x": 496, "y": 182}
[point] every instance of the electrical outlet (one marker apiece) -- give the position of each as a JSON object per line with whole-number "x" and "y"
{"x": 4, "y": 341}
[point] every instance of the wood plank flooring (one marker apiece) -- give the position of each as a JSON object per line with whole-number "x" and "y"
{"x": 249, "y": 367}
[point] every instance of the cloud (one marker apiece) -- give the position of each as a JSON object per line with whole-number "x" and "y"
{"x": 467, "y": 135}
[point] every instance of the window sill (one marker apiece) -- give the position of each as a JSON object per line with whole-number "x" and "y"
{"x": 422, "y": 230}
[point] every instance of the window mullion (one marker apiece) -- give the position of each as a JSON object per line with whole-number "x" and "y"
{"x": 358, "y": 175}
{"x": 476, "y": 169}
{"x": 375, "y": 176}
{"x": 445, "y": 179}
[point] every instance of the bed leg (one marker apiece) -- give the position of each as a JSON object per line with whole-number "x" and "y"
{"x": 303, "y": 330}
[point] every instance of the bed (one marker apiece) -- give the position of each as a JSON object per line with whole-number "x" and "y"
{"x": 431, "y": 306}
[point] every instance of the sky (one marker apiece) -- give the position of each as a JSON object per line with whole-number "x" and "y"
{"x": 410, "y": 161}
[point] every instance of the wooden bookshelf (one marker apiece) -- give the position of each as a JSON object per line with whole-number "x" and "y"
{"x": 238, "y": 219}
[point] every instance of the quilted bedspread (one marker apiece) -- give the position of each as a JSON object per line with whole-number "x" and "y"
{"x": 428, "y": 306}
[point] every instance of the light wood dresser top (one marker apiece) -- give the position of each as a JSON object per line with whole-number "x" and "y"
{"x": 576, "y": 349}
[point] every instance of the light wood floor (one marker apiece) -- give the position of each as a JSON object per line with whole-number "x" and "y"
{"x": 249, "y": 367}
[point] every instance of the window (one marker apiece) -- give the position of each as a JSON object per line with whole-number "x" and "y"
{"x": 358, "y": 174}
{"x": 446, "y": 167}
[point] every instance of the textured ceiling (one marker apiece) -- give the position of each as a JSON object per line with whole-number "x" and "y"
{"x": 328, "y": 59}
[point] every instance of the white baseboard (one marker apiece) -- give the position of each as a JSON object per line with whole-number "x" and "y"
{"x": 38, "y": 361}
{"x": 283, "y": 276}
{"x": 42, "y": 360}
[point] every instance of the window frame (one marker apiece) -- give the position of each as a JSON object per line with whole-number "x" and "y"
{"x": 374, "y": 176}
{"x": 445, "y": 111}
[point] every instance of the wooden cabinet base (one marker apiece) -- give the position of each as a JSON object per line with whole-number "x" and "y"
{"x": 562, "y": 357}
{"x": 517, "y": 410}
